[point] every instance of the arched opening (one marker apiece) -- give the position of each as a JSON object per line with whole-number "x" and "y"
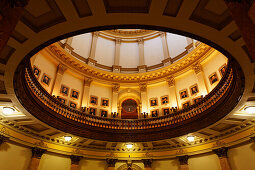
{"x": 129, "y": 109}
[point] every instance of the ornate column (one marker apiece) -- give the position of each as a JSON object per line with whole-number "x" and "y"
{"x": 91, "y": 59}
{"x": 201, "y": 79}
{"x": 115, "y": 93}
{"x": 36, "y": 157}
{"x": 172, "y": 92}
{"x": 111, "y": 163}
{"x": 75, "y": 162}
{"x": 11, "y": 11}
{"x": 3, "y": 139}
{"x": 144, "y": 100}
{"x": 58, "y": 78}
{"x": 183, "y": 162}
{"x": 167, "y": 60}
{"x": 85, "y": 92}
{"x": 147, "y": 164}
{"x": 222, "y": 153}
{"x": 116, "y": 66}
{"x": 142, "y": 66}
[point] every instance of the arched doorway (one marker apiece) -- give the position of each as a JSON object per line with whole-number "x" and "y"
{"x": 129, "y": 109}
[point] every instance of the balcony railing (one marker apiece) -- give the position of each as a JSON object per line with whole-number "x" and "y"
{"x": 85, "y": 118}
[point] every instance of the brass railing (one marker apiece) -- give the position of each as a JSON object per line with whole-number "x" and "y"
{"x": 84, "y": 118}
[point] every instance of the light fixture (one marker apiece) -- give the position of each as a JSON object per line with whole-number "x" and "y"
{"x": 250, "y": 109}
{"x": 129, "y": 146}
{"x": 67, "y": 138}
{"x": 191, "y": 138}
{"x": 8, "y": 110}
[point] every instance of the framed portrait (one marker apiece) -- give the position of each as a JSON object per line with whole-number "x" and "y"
{"x": 36, "y": 71}
{"x": 64, "y": 90}
{"x": 104, "y": 102}
{"x": 213, "y": 78}
{"x": 74, "y": 94}
{"x": 186, "y": 105}
{"x": 46, "y": 79}
{"x": 197, "y": 99}
{"x": 184, "y": 94}
{"x": 223, "y": 69}
{"x": 73, "y": 104}
{"x": 92, "y": 111}
{"x": 166, "y": 111}
{"x": 93, "y": 100}
{"x": 61, "y": 99}
{"x": 153, "y": 102}
{"x": 194, "y": 89}
{"x": 164, "y": 100}
{"x": 103, "y": 113}
{"x": 154, "y": 113}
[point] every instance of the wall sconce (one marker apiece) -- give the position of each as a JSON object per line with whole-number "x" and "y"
{"x": 145, "y": 115}
{"x": 114, "y": 114}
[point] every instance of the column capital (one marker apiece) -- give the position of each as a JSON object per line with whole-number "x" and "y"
{"x": 171, "y": 81}
{"x": 111, "y": 162}
{"x": 3, "y": 139}
{"x": 115, "y": 88}
{"x": 96, "y": 34}
{"x": 61, "y": 69}
{"x": 140, "y": 40}
{"x": 143, "y": 87}
{"x": 147, "y": 163}
{"x": 118, "y": 40}
{"x": 197, "y": 68}
{"x": 162, "y": 34}
{"x": 221, "y": 152}
{"x": 75, "y": 159}
{"x": 183, "y": 159}
{"x": 87, "y": 81}
{"x": 37, "y": 152}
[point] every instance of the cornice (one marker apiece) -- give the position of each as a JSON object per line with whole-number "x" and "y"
{"x": 184, "y": 64}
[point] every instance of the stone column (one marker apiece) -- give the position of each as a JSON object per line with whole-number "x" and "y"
{"x": 222, "y": 153}
{"x": 142, "y": 66}
{"x": 116, "y": 66}
{"x": 172, "y": 92}
{"x": 111, "y": 163}
{"x": 201, "y": 79}
{"x": 91, "y": 59}
{"x": 75, "y": 162}
{"x": 115, "y": 93}
{"x": 85, "y": 92}
{"x": 58, "y": 78}
{"x": 147, "y": 164}
{"x": 167, "y": 60}
{"x": 36, "y": 157}
{"x": 183, "y": 162}
{"x": 144, "y": 100}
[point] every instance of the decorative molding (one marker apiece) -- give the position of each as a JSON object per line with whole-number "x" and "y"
{"x": 111, "y": 162}
{"x": 96, "y": 34}
{"x": 171, "y": 81}
{"x": 37, "y": 152}
{"x": 75, "y": 159}
{"x": 115, "y": 88}
{"x": 147, "y": 163}
{"x": 87, "y": 81}
{"x": 118, "y": 40}
{"x": 221, "y": 152}
{"x": 197, "y": 68}
{"x": 140, "y": 41}
{"x": 253, "y": 139}
{"x": 61, "y": 69}
{"x": 183, "y": 159}
{"x": 143, "y": 87}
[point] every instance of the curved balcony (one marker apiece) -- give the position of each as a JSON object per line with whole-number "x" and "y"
{"x": 47, "y": 108}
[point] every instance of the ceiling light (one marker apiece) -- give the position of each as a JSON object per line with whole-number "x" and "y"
{"x": 129, "y": 146}
{"x": 67, "y": 138}
{"x": 8, "y": 110}
{"x": 250, "y": 109}
{"x": 191, "y": 138}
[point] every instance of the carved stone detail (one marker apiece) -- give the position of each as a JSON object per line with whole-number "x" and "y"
{"x": 143, "y": 87}
{"x": 197, "y": 68}
{"x": 162, "y": 34}
{"x": 183, "y": 159}
{"x": 115, "y": 88}
{"x": 171, "y": 81}
{"x": 111, "y": 162}
{"x": 61, "y": 69}
{"x": 87, "y": 81}
{"x": 3, "y": 139}
{"x": 118, "y": 40}
{"x": 37, "y": 152}
{"x": 96, "y": 34}
{"x": 75, "y": 159}
{"x": 221, "y": 152}
{"x": 140, "y": 41}
{"x": 147, "y": 163}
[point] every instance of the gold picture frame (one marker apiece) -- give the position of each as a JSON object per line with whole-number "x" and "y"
{"x": 155, "y": 113}
{"x": 46, "y": 79}
{"x": 64, "y": 90}
{"x": 222, "y": 70}
{"x": 73, "y": 104}
{"x": 164, "y": 100}
{"x": 213, "y": 78}
{"x": 36, "y": 71}
{"x": 186, "y": 104}
{"x": 104, "y": 102}
{"x": 74, "y": 94}
{"x": 93, "y": 100}
{"x": 194, "y": 89}
{"x": 153, "y": 102}
{"x": 184, "y": 94}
